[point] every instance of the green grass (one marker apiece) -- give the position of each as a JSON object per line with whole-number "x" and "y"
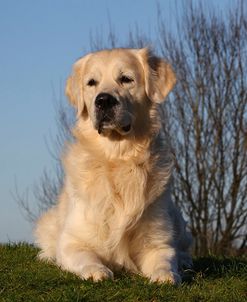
{"x": 23, "y": 278}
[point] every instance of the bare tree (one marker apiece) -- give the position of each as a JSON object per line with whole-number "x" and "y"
{"x": 207, "y": 116}
{"x": 206, "y": 119}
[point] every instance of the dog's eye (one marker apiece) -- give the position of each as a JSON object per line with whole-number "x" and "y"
{"x": 92, "y": 82}
{"x": 125, "y": 79}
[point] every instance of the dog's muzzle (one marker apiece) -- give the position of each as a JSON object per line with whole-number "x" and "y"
{"x": 107, "y": 111}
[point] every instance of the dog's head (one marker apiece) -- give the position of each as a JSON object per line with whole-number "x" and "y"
{"x": 115, "y": 88}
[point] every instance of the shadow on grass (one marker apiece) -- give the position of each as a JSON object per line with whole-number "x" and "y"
{"x": 213, "y": 267}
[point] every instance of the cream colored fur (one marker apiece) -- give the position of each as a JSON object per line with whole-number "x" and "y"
{"x": 115, "y": 209}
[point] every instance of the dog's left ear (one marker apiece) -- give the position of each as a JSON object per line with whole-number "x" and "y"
{"x": 159, "y": 76}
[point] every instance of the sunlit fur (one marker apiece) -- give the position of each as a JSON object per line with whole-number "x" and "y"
{"x": 115, "y": 210}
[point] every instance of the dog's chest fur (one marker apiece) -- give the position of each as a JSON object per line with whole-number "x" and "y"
{"x": 112, "y": 195}
{"x": 99, "y": 182}
{"x": 109, "y": 196}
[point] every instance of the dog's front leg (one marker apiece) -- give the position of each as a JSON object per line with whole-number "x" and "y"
{"x": 153, "y": 253}
{"x": 159, "y": 264}
{"x": 73, "y": 257}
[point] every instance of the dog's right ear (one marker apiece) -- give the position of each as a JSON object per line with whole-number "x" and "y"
{"x": 74, "y": 86}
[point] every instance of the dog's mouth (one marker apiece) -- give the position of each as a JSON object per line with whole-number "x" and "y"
{"x": 126, "y": 128}
{"x": 106, "y": 125}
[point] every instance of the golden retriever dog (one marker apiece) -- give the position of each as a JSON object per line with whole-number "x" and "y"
{"x": 115, "y": 210}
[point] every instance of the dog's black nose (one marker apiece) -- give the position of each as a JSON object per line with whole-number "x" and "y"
{"x": 105, "y": 101}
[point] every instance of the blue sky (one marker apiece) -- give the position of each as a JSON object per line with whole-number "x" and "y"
{"x": 39, "y": 41}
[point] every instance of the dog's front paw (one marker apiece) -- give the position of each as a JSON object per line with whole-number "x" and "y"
{"x": 161, "y": 275}
{"x": 96, "y": 272}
